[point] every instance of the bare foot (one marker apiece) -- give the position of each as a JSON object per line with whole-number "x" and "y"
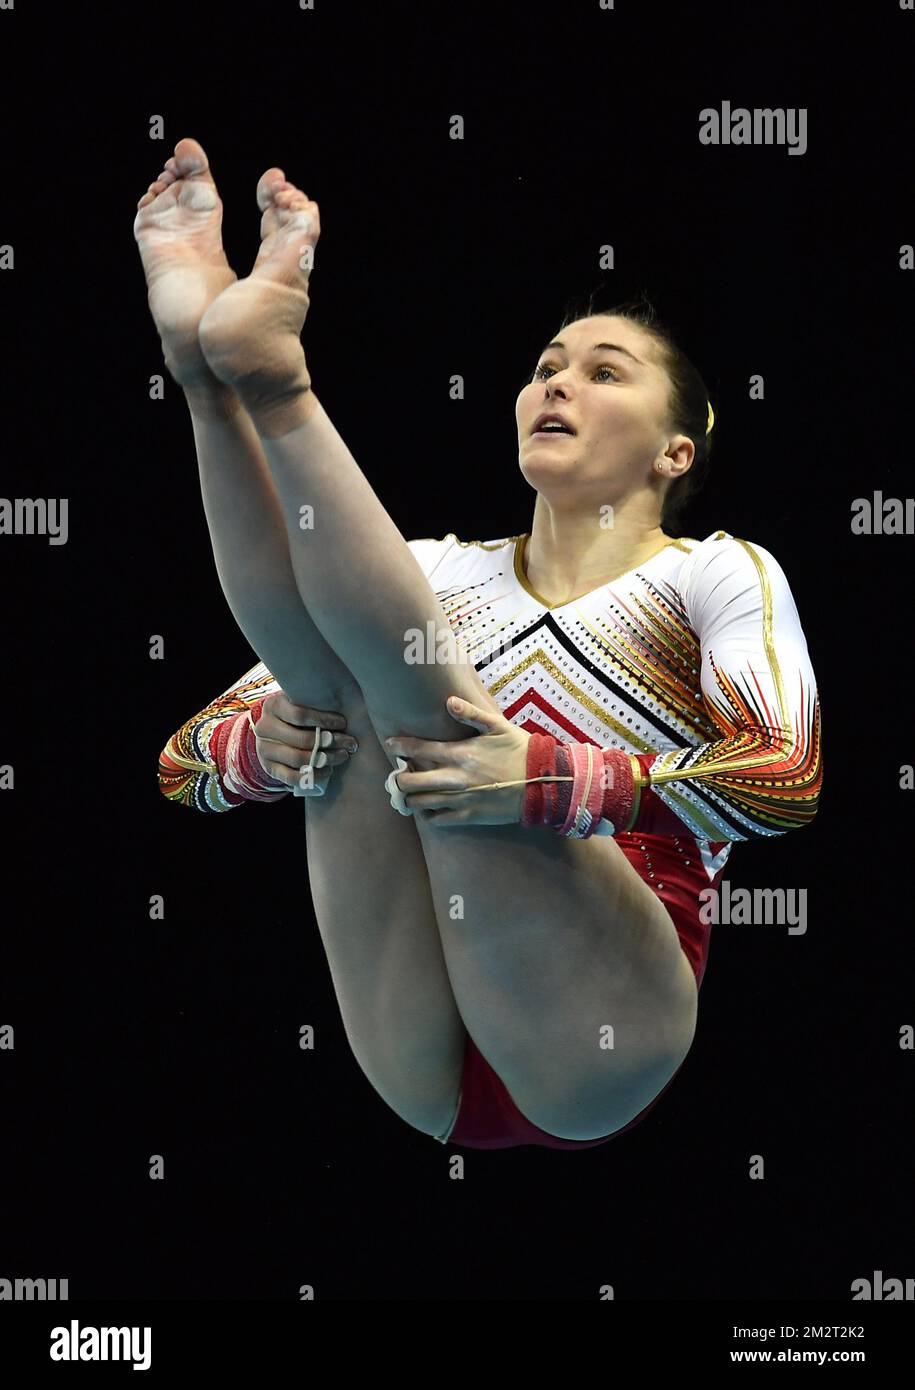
{"x": 178, "y": 228}
{"x": 250, "y": 335}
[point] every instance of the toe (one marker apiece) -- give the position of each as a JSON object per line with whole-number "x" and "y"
{"x": 291, "y": 199}
{"x": 265, "y": 186}
{"x": 154, "y": 193}
{"x": 191, "y": 162}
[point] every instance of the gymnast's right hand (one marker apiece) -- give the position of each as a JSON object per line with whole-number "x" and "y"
{"x": 285, "y": 737}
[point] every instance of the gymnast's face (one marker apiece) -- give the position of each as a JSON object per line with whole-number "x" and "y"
{"x": 614, "y": 397}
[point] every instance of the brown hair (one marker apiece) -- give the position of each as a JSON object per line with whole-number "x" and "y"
{"x": 688, "y": 401}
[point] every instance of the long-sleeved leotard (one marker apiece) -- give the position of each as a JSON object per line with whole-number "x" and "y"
{"x": 695, "y": 663}
{"x": 194, "y": 768}
{"x": 729, "y": 617}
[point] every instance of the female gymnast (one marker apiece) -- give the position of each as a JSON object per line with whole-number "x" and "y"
{"x": 517, "y": 954}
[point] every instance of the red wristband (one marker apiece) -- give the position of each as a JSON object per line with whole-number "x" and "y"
{"x": 619, "y": 790}
{"x": 587, "y": 797}
{"x": 218, "y": 742}
{"x": 546, "y": 803}
{"x": 578, "y": 807}
{"x": 250, "y": 781}
{"x": 249, "y": 763}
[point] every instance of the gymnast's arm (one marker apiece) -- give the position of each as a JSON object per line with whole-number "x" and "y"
{"x": 762, "y": 775}
{"x": 211, "y": 762}
{"x": 196, "y": 765}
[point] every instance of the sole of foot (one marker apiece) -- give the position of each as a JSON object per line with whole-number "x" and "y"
{"x": 178, "y": 230}
{"x": 250, "y": 335}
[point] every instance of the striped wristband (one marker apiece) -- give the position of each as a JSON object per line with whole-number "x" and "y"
{"x": 233, "y": 746}
{"x": 584, "y": 790}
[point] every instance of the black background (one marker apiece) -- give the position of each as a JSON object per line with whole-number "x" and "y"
{"x": 438, "y": 256}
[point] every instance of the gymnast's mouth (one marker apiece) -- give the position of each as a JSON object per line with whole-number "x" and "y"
{"x": 550, "y": 423}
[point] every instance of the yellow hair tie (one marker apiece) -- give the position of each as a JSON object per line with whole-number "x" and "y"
{"x": 711, "y": 418}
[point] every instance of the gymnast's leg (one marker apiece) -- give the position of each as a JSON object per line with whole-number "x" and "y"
{"x": 366, "y": 870}
{"x": 559, "y": 938}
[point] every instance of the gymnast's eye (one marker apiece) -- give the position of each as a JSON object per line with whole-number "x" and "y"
{"x": 544, "y": 367}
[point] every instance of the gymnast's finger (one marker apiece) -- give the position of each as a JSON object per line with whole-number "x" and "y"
{"x": 294, "y": 778}
{"x": 287, "y": 710}
{"x": 295, "y": 725}
{"x": 272, "y": 753}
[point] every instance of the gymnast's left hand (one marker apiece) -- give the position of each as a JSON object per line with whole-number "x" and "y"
{"x": 499, "y": 754}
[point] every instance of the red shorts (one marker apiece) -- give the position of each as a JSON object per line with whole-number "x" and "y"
{"x": 487, "y": 1117}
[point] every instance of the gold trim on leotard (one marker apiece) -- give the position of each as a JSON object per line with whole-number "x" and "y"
{"x": 521, "y": 544}
{"x": 785, "y": 734}
{"x": 495, "y": 545}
